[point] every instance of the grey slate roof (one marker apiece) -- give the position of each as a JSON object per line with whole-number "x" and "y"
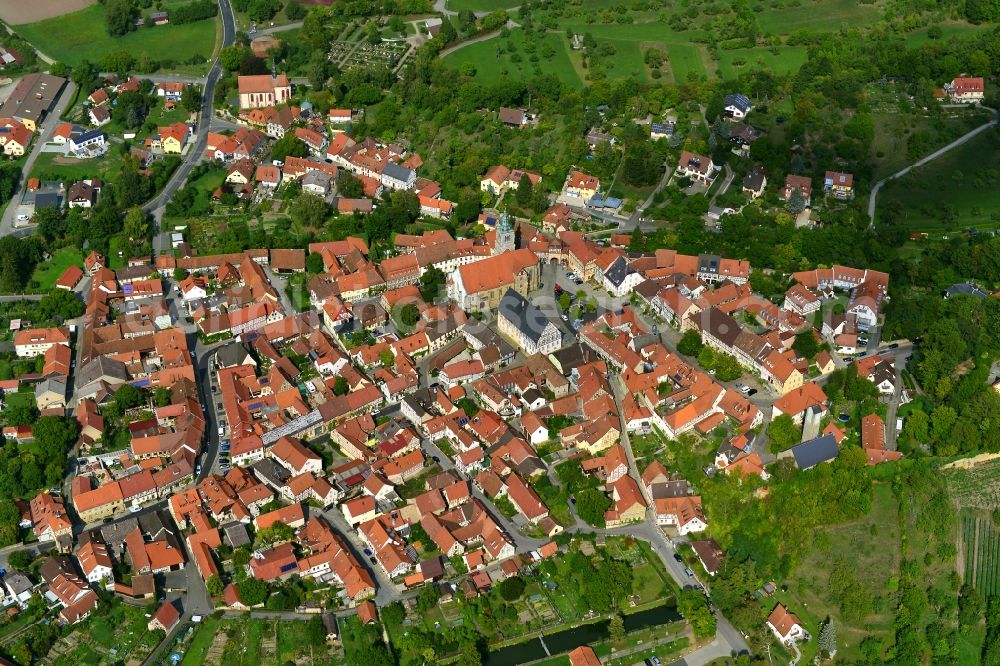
{"x": 232, "y": 354}
{"x": 397, "y": 172}
{"x": 516, "y": 309}
{"x": 815, "y": 451}
{"x": 102, "y": 367}
{"x": 618, "y": 271}
{"x": 271, "y": 472}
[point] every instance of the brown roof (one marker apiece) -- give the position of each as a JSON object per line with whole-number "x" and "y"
{"x": 367, "y": 612}
{"x": 70, "y": 277}
{"x": 872, "y": 432}
{"x": 510, "y": 116}
{"x": 797, "y": 401}
{"x": 288, "y": 260}
{"x": 710, "y": 554}
{"x": 496, "y": 271}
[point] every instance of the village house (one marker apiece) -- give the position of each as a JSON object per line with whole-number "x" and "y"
{"x": 965, "y": 89}
{"x": 841, "y": 185}
{"x": 786, "y": 626}
{"x": 581, "y": 186}
{"x": 696, "y": 167}
{"x": 512, "y": 117}
{"x": 754, "y": 182}
{"x": 736, "y": 106}
{"x": 801, "y": 183}
{"x": 32, "y": 342}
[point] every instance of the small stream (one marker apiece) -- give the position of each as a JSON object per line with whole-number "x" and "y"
{"x": 564, "y": 641}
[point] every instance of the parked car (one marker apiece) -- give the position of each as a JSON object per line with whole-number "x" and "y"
{"x": 677, "y": 556}
{"x": 689, "y": 572}
{"x": 894, "y": 345}
{"x": 22, "y": 218}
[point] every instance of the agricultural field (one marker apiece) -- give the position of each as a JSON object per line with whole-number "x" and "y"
{"x": 480, "y": 5}
{"x": 976, "y": 491}
{"x": 779, "y": 60}
{"x": 955, "y": 192}
{"x": 82, "y": 36}
{"x": 115, "y": 634}
{"x": 685, "y": 59}
{"x": 17, "y": 13}
{"x": 825, "y": 15}
{"x": 976, "y": 488}
{"x": 981, "y": 541}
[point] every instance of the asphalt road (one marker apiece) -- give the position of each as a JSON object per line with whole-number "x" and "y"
{"x": 44, "y": 135}
{"x": 161, "y": 242}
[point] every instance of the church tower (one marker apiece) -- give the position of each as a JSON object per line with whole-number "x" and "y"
{"x": 505, "y": 234}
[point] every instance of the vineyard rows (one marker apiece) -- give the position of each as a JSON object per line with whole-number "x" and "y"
{"x": 982, "y": 555}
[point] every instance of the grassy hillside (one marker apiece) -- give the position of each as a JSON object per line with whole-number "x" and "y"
{"x": 495, "y": 57}
{"x": 955, "y": 192}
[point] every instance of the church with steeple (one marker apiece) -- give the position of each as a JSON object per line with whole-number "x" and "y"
{"x": 505, "y": 234}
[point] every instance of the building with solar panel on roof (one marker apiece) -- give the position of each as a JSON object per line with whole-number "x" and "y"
{"x": 737, "y": 106}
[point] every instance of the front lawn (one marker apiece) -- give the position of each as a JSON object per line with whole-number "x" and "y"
{"x": 46, "y": 273}
{"x": 54, "y": 166}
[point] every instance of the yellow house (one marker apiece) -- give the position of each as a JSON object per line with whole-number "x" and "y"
{"x": 780, "y": 373}
{"x": 172, "y": 138}
{"x": 824, "y": 363}
{"x": 582, "y": 186}
{"x": 16, "y": 138}
{"x": 629, "y": 507}
{"x": 591, "y": 436}
{"x": 240, "y": 172}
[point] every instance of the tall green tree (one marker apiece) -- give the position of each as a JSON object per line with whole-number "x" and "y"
{"x": 120, "y": 16}
{"x": 524, "y": 190}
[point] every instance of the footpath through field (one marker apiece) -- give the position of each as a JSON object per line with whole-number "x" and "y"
{"x": 924, "y": 160}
